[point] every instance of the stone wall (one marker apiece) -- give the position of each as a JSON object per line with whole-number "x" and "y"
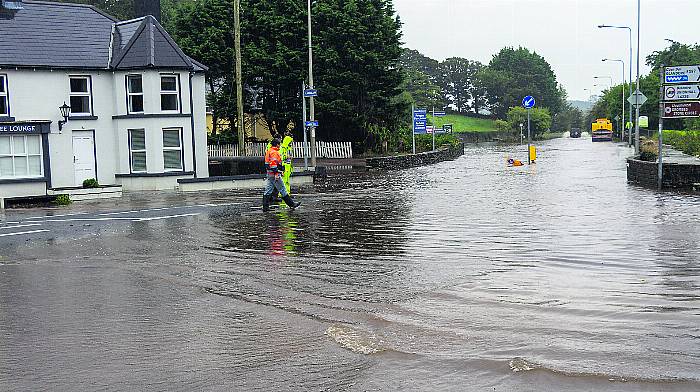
{"x": 420, "y": 159}
{"x": 676, "y": 175}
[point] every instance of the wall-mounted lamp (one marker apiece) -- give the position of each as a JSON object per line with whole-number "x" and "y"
{"x": 65, "y": 112}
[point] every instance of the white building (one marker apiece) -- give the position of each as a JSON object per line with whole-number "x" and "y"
{"x": 137, "y": 102}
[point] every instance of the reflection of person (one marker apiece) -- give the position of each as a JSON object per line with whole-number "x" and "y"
{"x": 286, "y": 153}
{"x": 273, "y": 165}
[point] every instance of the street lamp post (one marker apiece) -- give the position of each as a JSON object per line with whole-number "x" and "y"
{"x": 629, "y": 29}
{"x": 636, "y": 106}
{"x": 312, "y": 108}
{"x": 622, "y": 131}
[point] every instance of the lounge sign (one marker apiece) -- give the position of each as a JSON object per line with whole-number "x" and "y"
{"x": 24, "y": 127}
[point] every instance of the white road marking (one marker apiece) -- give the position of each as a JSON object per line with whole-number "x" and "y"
{"x": 164, "y": 217}
{"x": 133, "y": 211}
{"x": 18, "y": 226}
{"x": 24, "y": 232}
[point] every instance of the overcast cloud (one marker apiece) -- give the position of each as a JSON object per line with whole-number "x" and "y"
{"x": 564, "y": 32}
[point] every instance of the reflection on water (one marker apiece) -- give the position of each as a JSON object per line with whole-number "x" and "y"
{"x": 558, "y": 276}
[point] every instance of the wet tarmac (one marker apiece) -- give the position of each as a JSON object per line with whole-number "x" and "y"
{"x": 464, "y": 276}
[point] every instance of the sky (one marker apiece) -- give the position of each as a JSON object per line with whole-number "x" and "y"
{"x": 564, "y": 32}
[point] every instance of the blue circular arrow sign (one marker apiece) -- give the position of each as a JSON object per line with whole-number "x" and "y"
{"x": 529, "y": 102}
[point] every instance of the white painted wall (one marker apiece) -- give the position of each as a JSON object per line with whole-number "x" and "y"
{"x": 37, "y": 94}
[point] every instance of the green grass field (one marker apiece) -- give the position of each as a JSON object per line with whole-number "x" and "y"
{"x": 465, "y": 124}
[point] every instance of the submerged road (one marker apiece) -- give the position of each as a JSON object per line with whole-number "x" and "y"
{"x": 463, "y": 276}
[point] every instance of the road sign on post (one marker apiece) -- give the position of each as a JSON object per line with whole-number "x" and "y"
{"x": 682, "y": 92}
{"x": 682, "y": 74}
{"x": 681, "y": 109}
{"x": 637, "y": 99}
{"x": 310, "y": 124}
{"x": 529, "y": 103}
{"x": 310, "y": 92}
{"x": 447, "y": 128}
{"x": 440, "y": 114}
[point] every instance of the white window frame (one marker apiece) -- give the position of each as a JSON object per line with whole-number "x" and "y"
{"x": 87, "y": 94}
{"x": 179, "y": 149}
{"x": 130, "y": 94}
{"x": 26, "y": 155}
{"x": 5, "y": 95}
{"x": 176, "y": 93}
{"x": 132, "y": 151}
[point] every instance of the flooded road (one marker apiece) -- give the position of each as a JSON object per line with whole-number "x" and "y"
{"x": 466, "y": 276}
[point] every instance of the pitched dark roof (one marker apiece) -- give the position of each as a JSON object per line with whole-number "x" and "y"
{"x": 143, "y": 43}
{"x": 78, "y": 36}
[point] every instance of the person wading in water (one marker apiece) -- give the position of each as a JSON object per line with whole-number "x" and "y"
{"x": 275, "y": 169}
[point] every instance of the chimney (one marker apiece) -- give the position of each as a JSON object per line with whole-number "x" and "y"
{"x": 147, "y": 7}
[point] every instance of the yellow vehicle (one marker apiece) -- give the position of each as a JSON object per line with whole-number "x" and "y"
{"x": 602, "y": 130}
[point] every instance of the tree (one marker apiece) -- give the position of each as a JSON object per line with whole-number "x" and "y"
{"x": 540, "y": 119}
{"x": 676, "y": 54}
{"x": 422, "y": 93}
{"x": 515, "y": 73}
{"x": 457, "y": 82}
{"x": 569, "y": 117}
{"x": 203, "y": 31}
{"x": 358, "y": 67}
{"x": 356, "y": 51}
{"x": 120, "y": 9}
{"x": 422, "y": 79}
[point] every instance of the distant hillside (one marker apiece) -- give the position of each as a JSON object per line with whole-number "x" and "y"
{"x": 583, "y": 106}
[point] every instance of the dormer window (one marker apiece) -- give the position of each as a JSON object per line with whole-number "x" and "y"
{"x": 169, "y": 93}
{"x": 134, "y": 90}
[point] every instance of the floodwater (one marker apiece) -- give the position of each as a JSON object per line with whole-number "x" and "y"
{"x": 464, "y": 276}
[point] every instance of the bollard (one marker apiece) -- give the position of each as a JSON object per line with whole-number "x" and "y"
{"x": 533, "y": 154}
{"x": 2, "y": 203}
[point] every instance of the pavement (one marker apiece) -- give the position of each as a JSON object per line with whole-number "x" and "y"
{"x": 672, "y": 155}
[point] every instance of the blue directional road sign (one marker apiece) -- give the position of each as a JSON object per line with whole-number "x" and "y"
{"x": 440, "y": 114}
{"x": 310, "y": 93}
{"x": 311, "y": 124}
{"x": 529, "y": 102}
{"x": 420, "y": 121}
{"x": 682, "y": 74}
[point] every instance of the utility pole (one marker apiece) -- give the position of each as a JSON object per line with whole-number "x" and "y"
{"x": 239, "y": 79}
{"x": 312, "y": 108}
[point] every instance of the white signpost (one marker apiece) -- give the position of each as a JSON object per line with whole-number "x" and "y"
{"x": 637, "y": 98}
{"x": 682, "y": 74}
{"x": 682, "y": 92}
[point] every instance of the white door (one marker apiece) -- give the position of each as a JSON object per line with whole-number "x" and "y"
{"x": 83, "y": 156}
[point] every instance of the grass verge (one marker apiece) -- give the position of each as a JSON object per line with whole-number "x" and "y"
{"x": 461, "y": 123}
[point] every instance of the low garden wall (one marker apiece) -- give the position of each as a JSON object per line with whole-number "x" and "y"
{"x": 676, "y": 175}
{"x": 413, "y": 160}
